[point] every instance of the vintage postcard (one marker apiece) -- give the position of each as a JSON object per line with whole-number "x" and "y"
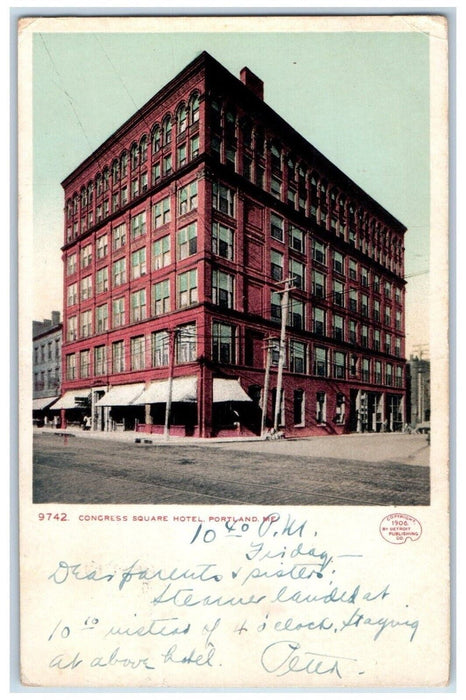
{"x": 233, "y": 293}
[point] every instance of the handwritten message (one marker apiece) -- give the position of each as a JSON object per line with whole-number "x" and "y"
{"x": 267, "y": 591}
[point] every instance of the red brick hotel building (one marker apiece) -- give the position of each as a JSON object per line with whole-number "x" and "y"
{"x": 180, "y": 233}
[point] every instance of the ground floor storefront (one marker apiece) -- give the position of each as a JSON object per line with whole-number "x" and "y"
{"x": 204, "y": 404}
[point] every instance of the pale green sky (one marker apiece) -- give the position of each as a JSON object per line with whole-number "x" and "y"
{"x": 360, "y": 98}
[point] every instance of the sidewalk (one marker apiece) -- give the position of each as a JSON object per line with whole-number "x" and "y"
{"x": 143, "y": 438}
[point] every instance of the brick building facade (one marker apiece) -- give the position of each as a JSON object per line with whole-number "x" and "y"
{"x": 46, "y": 366}
{"x": 179, "y": 233}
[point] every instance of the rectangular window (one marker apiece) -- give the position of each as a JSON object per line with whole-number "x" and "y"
{"x": 167, "y": 164}
{"x": 296, "y": 238}
{"x": 378, "y": 372}
{"x": 155, "y": 173}
{"x": 72, "y": 328}
{"x": 365, "y": 369}
{"x": 118, "y": 312}
{"x": 118, "y": 356}
{"x": 318, "y": 284}
{"x": 397, "y": 295}
{"x": 187, "y": 288}
{"x": 223, "y": 343}
{"x": 338, "y": 293}
{"x": 187, "y": 198}
{"x": 187, "y": 241}
{"x": 364, "y": 305}
{"x": 222, "y": 289}
{"x": 137, "y": 352}
{"x": 182, "y": 155}
{"x": 376, "y": 310}
{"x": 297, "y": 273}
{"x": 318, "y": 252}
{"x": 296, "y": 317}
{"x": 138, "y": 225}
{"x": 364, "y": 277}
{"x": 138, "y": 305}
{"x": 377, "y": 340}
{"x": 376, "y": 284}
{"x": 161, "y": 253}
{"x": 320, "y": 362}
{"x": 340, "y": 409}
{"x": 222, "y": 241}
{"x": 352, "y": 270}
{"x": 399, "y": 378}
{"x": 338, "y": 328}
{"x": 276, "y": 265}
{"x": 397, "y": 347}
{"x": 119, "y": 272}
{"x": 72, "y": 294}
{"x": 276, "y": 307}
{"x": 339, "y": 365}
{"x": 297, "y": 357}
{"x": 318, "y": 321}
{"x": 159, "y": 349}
{"x": 353, "y": 332}
{"x": 388, "y": 316}
{"x": 101, "y": 280}
{"x": 115, "y": 202}
{"x": 194, "y": 146}
{"x": 102, "y": 247}
{"x": 161, "y": 297}
{"x": 134, "y": 188}
{"x": 86, "y": 324}
{"x": 353, "y": 300}
{"x": 388, "y": 343}
{"x": 387, "y": 290}
{"x": 321, "y": 407}
{"x": 364, "y": 336}
{"x": 223, "y": 199}
{"x": 124, "y": 196}
{"x": 275, "y": 187}
{"x": 101, "y": 318}
{"x": 86, "y": 255}
{"x": 71, "y": 366}
{"x": 138, "y": 263}
{"x": 186, "y": 345}
{"x": 161, "y": 213}
{"x": 71, "y": 264}
{"x": 276, "y": 227}
{"x": 86, "y": 288}
{"x": 338, "y": 262}
{"x": 119, "y": 236}
{"x": 100, "y": 360}
{"x": 298, "y": 407}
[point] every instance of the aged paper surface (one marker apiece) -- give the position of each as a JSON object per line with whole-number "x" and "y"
{"x": 234, "y": 596}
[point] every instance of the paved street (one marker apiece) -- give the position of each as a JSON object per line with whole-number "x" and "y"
{"x": 388, "y": 469}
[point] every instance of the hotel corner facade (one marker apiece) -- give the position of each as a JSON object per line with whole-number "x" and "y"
{"x": 180, "y": 233}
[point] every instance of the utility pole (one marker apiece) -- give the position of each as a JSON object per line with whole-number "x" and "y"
{"x": 281, "y": 357}
{"x": 265, "y": 397}
{"x": 171, "y": 363}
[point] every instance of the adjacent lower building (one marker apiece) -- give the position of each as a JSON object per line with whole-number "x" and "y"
{"x": 46, "y": 367}
{"x": 182, "y": 232}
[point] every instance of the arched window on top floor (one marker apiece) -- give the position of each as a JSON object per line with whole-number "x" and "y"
{"x": 90, "y": 193}
{"x": 115, "y": 172}
{"x": 69, "y": 208}
{"x": 143, "y": 149}
{"x": 83, "y": 197}
{"x": 216, "y": 114}
{"x": 98, "y": 184}
{"x": 155, "y": 139}
{"x": 123, "y": 164}
{"x": 276, "y": 156}
{"x": 134, "y": 156}
{"x": 194, "y": 108}
{"x": 106, "y": 179}
{"x": 167, "y": 130}
{"x": 181, "y": 119}
{"x": 246, "y": 131}
{"x": 75, "y": 203}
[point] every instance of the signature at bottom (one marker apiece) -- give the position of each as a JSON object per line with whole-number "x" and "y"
{"x": 287, "y": 656}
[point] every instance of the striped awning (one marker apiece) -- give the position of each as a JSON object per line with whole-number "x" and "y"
{"x": 122, "y": 395}
{"x": 228, "y": 390}
{"x": 68, "y": 400}
{"x": 184, "y": 390}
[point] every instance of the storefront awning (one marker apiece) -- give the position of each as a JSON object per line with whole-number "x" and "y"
{"x": 184, "y": 390}
{"x": 40, "y": 404}
{"x": 122, "y": 395}
{"x": 68, "y": 400}
{"x": 228, "y": 390}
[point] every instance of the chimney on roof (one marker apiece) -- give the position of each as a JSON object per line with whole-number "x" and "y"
{"x": 55, "y": 318}
{"x": 255, "y": 84}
